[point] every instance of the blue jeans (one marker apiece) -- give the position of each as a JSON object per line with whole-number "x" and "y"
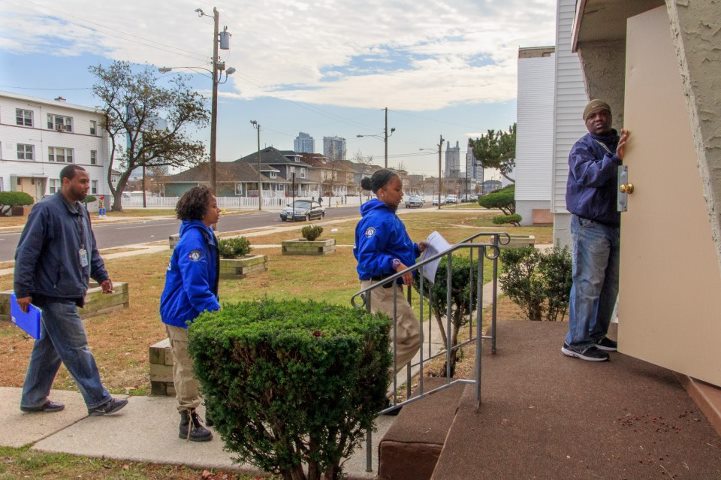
{"x": 595, "y": 251}
{"x": 62, "y": 339}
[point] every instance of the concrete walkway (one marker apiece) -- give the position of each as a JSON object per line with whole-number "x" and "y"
{"x": 144, "y": 431}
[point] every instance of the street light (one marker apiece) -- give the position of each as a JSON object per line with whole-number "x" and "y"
{"x": 440, "y": 182}
{"x": 384, "y": 137}
{"x": 221, "y": 39}
{"x": 256, "y": 125}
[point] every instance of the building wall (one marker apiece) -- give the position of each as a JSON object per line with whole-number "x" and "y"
{"x": 453, "y": 161}
{"x": 17, "y": 173}
{"x": 569, "y": 100}
{"x": 304, "y": 143}
{"x": 334, "y": 148}
{"x": 534, "y": 134}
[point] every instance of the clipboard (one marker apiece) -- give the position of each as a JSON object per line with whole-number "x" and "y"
{"x": 29, "y": 321}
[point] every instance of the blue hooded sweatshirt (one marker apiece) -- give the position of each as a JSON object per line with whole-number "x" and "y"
{"x": 380, "y": 237}
{"x": 191, "y": 282}
{"x": 592, "y": 177}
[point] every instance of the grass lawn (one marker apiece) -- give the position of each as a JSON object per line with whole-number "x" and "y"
{"x": 120, "y": 340}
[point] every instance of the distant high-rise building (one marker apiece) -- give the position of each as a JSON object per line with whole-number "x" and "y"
{"x": 474, "y": 171}
{"x": 304, "y": 143}
{"x": 334, "y": 148}
{"x": 453, "y": 161}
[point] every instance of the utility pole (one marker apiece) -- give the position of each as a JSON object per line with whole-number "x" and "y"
{"x": 440, "y": 182}
{"x": 385, "y": 140}
{"x": 214, "y": 102}
{"x": 256, "y": 125}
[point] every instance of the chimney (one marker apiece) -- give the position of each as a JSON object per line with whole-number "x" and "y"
{"x": 60, "y": 99}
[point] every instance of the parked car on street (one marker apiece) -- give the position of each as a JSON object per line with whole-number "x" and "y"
{"x": 435, "y": 201}
{"x": 451, "y": 198}
{"x": 302, "y": 210}
{"x": 470, "y": 197}
{"x": 414, "y": 201}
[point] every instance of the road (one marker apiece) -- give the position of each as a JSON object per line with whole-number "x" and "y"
{"x": 118, "y": 234}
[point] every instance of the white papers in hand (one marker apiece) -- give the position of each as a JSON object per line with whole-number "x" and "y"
{"x": 436, "y": 244}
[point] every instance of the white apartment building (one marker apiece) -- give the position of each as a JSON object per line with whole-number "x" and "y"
{"x": 39, "y": 137}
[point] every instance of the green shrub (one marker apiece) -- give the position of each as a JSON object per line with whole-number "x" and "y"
{"x": 540, "y": 283}
{"x": 292, "y": 383}
{"x": 233, "y": 247}
{"x": 311, "y": 232}
{"x": 463, "y": 300}
{"x": 503, "y": 199}
{"x": 15, "y": 199}
{"x": 514, "y": 219}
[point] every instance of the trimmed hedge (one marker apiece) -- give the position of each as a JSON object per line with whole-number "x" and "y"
{"x": 15, "y": 199}
{"x": 292, "y": 383}
{"x": 514, "y": 219}
{"x": 311, "y": 232}
{"x": 233, "y": 247}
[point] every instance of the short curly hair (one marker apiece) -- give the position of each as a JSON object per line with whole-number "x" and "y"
{"x": 193, "y": 205}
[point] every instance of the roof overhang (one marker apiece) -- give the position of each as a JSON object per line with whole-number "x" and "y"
{"x": 605, "y": 20}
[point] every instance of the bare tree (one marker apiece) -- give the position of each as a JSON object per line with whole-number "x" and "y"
{"x": 134, "y": 105}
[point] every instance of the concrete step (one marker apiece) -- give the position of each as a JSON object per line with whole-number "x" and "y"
{"x": 412, "y": 445}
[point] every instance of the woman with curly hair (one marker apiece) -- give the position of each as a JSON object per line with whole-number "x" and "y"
{"x": 191, "y": 288}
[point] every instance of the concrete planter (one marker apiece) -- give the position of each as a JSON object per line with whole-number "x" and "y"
{"x": 96, "y": 302}
{"x": 243, "y": 266}
{"x": 161, "y": 369}
{"x": 519, "y": 241}
{"x": 302, "y": 246}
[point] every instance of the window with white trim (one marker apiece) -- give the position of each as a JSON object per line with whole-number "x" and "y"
{"x": 53, "y": 185}
{"x": 61, "y": 123}
{"x": 302, "y": 173}
{"x": 273, "y": 175}
{"x": 26, "y": 152}
{"x": 24, "y": 117}
{"x": 93, "y": 127}
{"x": 93, "y": 157}
{"x": 240, "y": 189}
{"x": 94, "y": 187}
{"x": 60, "y": 154}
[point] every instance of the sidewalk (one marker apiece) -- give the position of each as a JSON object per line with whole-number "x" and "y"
{"x": 144, "y": 431}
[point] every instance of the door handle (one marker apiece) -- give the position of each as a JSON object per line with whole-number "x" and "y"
{"x": 626, "y": 188}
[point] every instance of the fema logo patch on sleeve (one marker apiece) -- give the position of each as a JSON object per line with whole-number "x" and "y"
{"x": 370, "y": 231}
{"x": 194, "y": 256}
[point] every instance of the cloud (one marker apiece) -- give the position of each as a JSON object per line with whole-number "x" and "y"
{"x": 408, "y": 54}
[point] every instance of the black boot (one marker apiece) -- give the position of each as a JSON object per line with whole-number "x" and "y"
{"x": 191, "y": 428}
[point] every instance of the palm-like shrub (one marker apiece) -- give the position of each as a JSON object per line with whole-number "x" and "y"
{"x": 311, "y": 232}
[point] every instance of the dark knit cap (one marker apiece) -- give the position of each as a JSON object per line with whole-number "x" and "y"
{"x": 593, "y": 107}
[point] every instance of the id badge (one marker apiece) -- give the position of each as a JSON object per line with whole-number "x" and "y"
{"x": 83, "y": 257}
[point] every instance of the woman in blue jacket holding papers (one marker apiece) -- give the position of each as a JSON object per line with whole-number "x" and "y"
{"x": 191, "y": 288}
{"x": 382, "y": 248}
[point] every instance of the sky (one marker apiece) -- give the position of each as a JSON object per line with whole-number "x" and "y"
{"x": 325, "y": 67}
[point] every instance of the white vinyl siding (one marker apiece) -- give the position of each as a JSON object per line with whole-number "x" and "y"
{"x": 570, "y": 99}
{"x": 534, "y": 135}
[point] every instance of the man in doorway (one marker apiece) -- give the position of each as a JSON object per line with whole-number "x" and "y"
{"x": 55, "y": 258}
{"x": 591, "y": 198}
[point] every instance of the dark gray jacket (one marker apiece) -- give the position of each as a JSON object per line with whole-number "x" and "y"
{"x": 47, "y": 260}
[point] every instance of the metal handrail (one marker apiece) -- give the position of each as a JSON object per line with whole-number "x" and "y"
{"x": 362, "y": 299}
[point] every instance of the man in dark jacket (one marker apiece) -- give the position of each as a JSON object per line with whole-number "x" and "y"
{"x": 55, "y": 258}
{"x": 591, "y": 198}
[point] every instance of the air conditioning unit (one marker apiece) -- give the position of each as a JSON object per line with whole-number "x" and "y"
{"x": 59, "y": 128}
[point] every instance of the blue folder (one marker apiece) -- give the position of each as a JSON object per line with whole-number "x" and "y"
{"x": 28, "y": 321}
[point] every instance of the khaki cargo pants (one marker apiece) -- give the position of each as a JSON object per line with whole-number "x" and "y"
{"x": 408, "y": 330}
{"x": 186, "y": 385}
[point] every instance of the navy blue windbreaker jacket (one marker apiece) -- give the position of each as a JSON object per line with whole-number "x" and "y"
{"x": 47, "y": 260}
{"x": 380, "y": 236}
{"x": 592, "y": 177}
